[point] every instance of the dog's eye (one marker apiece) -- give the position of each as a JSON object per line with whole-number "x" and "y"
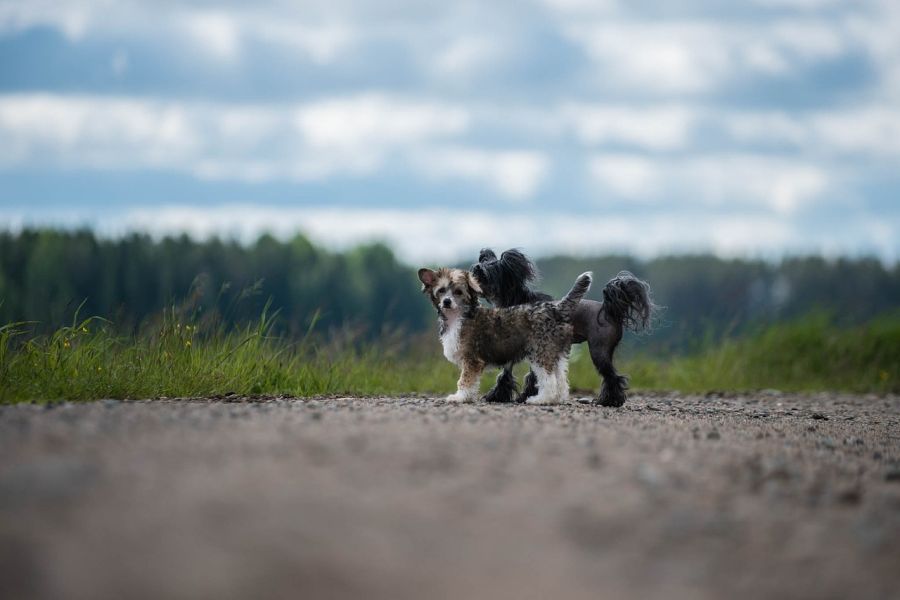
{"x": 441, "y": 290}
{"x": 457, "y": 292}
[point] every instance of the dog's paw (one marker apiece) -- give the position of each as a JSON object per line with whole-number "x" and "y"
{"x": 499, "y": 396}
{"x": 613, "y": 395}
{"x": 460, "y": 397}
{"x": 541, "y": 400}
{"x": 611, "y": 399}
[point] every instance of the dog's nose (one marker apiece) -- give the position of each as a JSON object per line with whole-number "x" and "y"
{"x": 447, "y": 303}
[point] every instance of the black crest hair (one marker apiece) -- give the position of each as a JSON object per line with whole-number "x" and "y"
{"x": 505, "y": 280}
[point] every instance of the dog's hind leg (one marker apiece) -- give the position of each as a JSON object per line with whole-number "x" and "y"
{"x": 612, "y": 390}
{"x": 531, "y": 387}
{"x": 505, "y": 389}
{"x": 548, "y": 386}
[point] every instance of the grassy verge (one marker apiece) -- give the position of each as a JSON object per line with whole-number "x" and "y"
{"x": 806, "y": 355}
{"x": 88, "y": 360}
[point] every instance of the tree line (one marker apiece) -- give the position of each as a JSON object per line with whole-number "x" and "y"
{"x": 45, "y": 275}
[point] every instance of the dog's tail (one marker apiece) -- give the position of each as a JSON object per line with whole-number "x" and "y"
{"x": 627, "y": 303}
{"x": 568, "y": 302}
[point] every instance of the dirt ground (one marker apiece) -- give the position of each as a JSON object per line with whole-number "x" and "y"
{"x": 747, "y": 496}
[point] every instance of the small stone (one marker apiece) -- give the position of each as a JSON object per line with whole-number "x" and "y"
{"x": 819, "y": 416}
{"x": 850, "y": 496}
{"x": 713, "y": 435}
{"x": 893, "y": 475}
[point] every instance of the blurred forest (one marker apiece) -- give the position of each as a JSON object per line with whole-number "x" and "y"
{"x": 46, "y": 274}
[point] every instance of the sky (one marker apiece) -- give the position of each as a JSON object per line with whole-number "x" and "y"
{"x": 760, "y": 128}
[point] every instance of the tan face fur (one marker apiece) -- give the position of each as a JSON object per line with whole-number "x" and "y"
{"x": 449, "y": 289}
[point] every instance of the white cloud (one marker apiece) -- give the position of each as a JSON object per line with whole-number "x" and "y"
{"x": 810, "y": 39}
{"x": 797, "y": 4}
{"x": 376, "y": 119}
{"x": 323, "y": 43}
{"x": 780, "y": 185}
{"x": 72, "y": 19}
{"x": 656, "y": 128}
{"x": 700, "y": 56}
{"x": 219, "y": 33}
{"x": 660, "y": 57}
{"x": 582, "y": 7}
{"x": 515, "y": 174}
{"x": 353, "y": 135}
{"x": 419, "y": 236}
{"x": 628, "y": 176}
{"x": 869, "y": 132}
{"x": 94, "y": 133}
{"x": 216, "y": 33}
{"x": 467, "y": 56}
{"x": 873, "y": 130}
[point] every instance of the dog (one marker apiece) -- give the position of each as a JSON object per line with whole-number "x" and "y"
{"x": 626, "y": 305}
{"x": 475, "y": 336}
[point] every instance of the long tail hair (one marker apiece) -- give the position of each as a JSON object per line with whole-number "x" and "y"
{"x": 626, "y": 300}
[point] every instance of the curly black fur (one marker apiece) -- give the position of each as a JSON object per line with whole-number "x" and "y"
{"x": 505, "y": 390}
{"x": 626, "y": 300}
{"x": 626, "y": 305}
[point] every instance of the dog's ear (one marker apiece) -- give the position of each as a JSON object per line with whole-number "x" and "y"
{"x": 519, "y": 265}
{"x": 473, "y": 285}
{"x": 427, "y": 277}
{"x": 486, "y": 254}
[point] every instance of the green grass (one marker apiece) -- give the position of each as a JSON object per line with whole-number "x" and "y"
{"x": 89, "y": 360}
{"x": 807, "y": 355}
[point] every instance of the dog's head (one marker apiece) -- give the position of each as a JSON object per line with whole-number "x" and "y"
{"x": 449, "y": 289}
{"x": 503, "y": 277}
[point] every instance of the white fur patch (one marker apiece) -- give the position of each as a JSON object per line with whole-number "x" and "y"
{"x": 562, "y": 379}
{"x": 464, "y": 395}
{"x": 450, "y": 339}
{"x": 553, "y": 388}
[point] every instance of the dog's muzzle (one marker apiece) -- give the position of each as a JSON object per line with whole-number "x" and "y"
{"x": 447, "y": 303}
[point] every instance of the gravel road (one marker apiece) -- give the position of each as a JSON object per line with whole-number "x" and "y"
{"x": 740, "y": 496}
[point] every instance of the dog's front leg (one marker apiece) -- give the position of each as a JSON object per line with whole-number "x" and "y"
{"x": 467, "y": 386}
